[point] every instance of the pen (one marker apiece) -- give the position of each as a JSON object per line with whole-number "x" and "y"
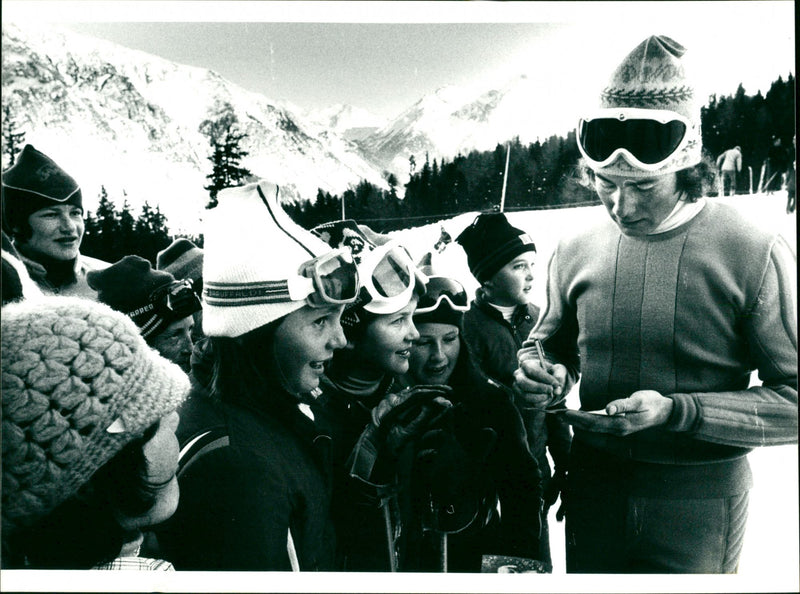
{"x": 539, "y": 351}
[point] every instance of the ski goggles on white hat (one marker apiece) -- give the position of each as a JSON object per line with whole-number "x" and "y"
{"x": 388, "y": 277}
{"x": 440, "y": 289}
{"x": 646, "y": 138}
{"x": 330, "y": 279}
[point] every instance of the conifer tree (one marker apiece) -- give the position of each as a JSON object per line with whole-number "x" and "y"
{"x": 151, "y": 232}
{"x": 107, "y": 226}
{"x": 225, "y": 138}
{"x": 13, "y": 139}
{"x": 125, "y": 241}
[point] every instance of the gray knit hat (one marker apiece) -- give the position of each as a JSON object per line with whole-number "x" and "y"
{"x": 78, "y": 384}
{"x": 182, "y": 259}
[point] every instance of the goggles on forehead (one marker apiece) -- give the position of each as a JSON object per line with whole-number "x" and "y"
{"x": 388, "y": 278}
{"x": 166, "y": 304}
{"x": 646, "y": 138}
{"x": 177, "y": 298}
{"x": 330, "y": 279}
{"x": 439, "y": 289}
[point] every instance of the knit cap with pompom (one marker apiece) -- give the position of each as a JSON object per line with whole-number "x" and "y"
{"x": 78, "y": 384}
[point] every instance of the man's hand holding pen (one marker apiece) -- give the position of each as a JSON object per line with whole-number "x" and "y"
{"x": 539, "y": 384}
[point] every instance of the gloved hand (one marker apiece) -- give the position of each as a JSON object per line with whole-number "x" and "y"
{"x": 552, "y": 489}
{"x": 396, "y": 420}
{"x": 407, "y": 415}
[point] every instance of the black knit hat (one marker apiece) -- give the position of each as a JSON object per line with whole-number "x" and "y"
{"x": 490, "y": 243}
{"x": 131, "y": 286}
{"x": 34, "y": 182}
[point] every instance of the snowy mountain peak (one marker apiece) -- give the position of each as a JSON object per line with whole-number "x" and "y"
{"x": 349, "y": 122}
{"x": 129, "y": 121}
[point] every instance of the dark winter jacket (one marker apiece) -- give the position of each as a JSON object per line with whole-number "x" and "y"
{"x": 356, "y": 506}
{"x": 239, "y": 502}
{"x": 494, "y": 343}
{"x": 509, "y": 473}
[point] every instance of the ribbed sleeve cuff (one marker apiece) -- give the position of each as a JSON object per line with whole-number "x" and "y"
{"x": 685, "y": 416}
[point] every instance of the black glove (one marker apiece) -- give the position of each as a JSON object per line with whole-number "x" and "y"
{"x": 406, "y": 416}
{"x": 396, "y": 420}
{"x": 552, "y": 489}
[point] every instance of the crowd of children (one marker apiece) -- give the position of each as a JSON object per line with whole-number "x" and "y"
{"x": 308, "y": 436}
{"x": 294, "y": 400}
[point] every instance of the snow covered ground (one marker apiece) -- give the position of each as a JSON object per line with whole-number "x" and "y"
{"x": 771, "y": 545}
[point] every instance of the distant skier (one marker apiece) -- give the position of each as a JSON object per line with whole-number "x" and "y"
{"x": 791, "y": 180}
{"x": 729, "y": 164}
{"x": 775, "y": 166}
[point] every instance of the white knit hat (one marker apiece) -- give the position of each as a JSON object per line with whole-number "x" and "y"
{"x": 251, "y": 248}
{"x": 654, "y": 76}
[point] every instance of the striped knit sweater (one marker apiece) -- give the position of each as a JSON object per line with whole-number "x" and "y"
{"x": 688, "y": 313}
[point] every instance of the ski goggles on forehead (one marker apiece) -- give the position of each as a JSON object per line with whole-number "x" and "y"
{"x": 166, "y": 304}
{"x": 440, "y": 289}
{"x": 330, "y": 279}
{"x": 647, "y": 138}
{"x": 177, "y": 298}
{"x": 388, "y": 277}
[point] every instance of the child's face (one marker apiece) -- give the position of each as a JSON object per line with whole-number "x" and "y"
{"x": 387, "y": 341}
{"x": 513, "y": 283}
{"x": 435, "y": 354}
{"x": 160, "y": 453}
{"x": 304, "y": 342}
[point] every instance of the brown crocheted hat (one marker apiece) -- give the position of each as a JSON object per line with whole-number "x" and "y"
{"x": 78, "y": 384}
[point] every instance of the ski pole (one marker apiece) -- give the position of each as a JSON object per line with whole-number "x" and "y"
{"x": 769, "y": 181}
{"x": 443, "y": 545}
{"x": 390, "y": 534}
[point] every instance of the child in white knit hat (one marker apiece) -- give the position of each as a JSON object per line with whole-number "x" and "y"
{"x": 257, "y": 497}
{"x": 89, "y": 450}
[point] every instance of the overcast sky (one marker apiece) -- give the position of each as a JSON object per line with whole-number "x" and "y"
{"x": 385, "y": 56}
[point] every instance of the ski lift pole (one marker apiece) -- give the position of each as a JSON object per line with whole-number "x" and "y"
{"x": 750, "y": 169}
{"x": 505, "y": 178}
